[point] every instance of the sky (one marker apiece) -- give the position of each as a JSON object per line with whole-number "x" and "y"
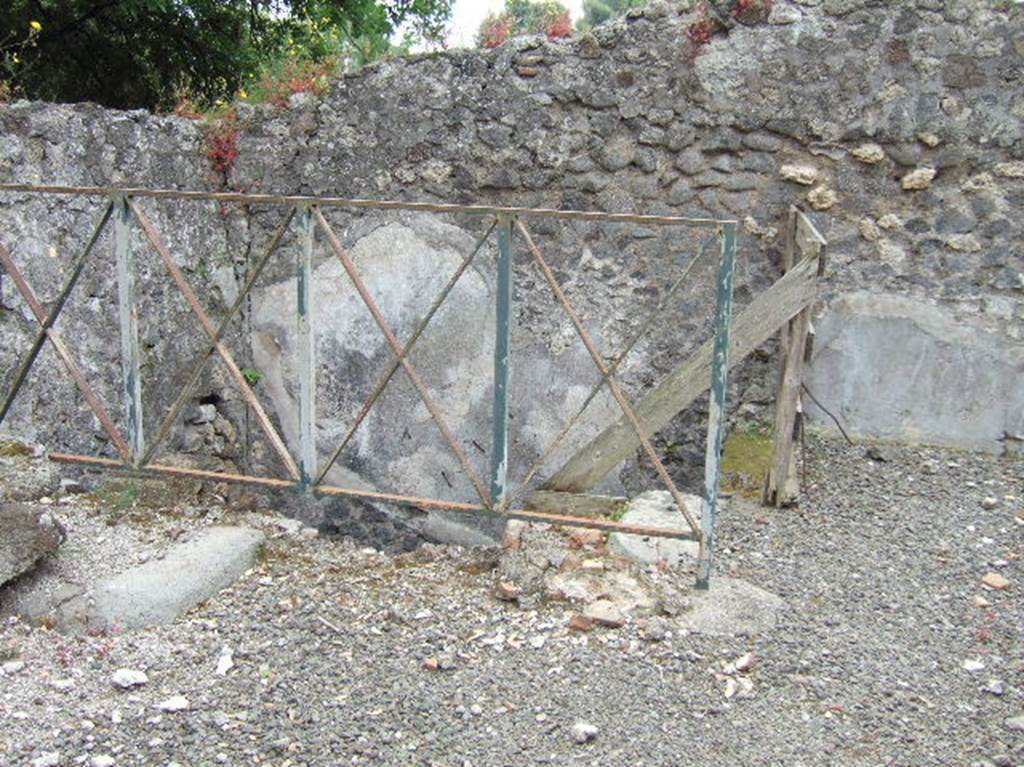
{"x": 467, "y": 15}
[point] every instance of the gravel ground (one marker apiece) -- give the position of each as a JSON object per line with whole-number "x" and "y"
{"x": 345, "y": 656}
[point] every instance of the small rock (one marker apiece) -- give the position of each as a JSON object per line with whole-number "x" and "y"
{"x": 822, "y": 198}
{"x": 929, "y": 139}
{"x": 507, "y": 591}
{"x": 980, "y": 601}
{"x": 995, "y": 581}
{"x": 989, "y": 503}
{"x": 870, "y": 154}
{"x": 1010, "y": 169}
{"x": 745, "y": 662}
{"x": 973, "y": 665}
{"x": 877, "y": 454}
{"x": 12, "y": 666}
{"x": 47, "y": 759}
{"x": 63, "y": 685}
{"x": 919, "y": 178}
{"x": 580, "y": 622}
{"x": 784, "y": 14}
{"x": 799, "y": 174}
{"x": 446, "y": 661}
{"x": 995, "y": 687}
{"x": 71, "y": 487}
{"x": 604, "y": 613}
{"x": 173, "y": 704}
{"x": 656, "y": 630}
{"x": 431, "y": 664}
{"x": 583, "y": 732}
{"x": 225, "y": 662}
{"x": 1014, "y": 723}
{"x": 126, "y": 678}
{"x": 513, "y": 538}
{"x": 102, "y": 760}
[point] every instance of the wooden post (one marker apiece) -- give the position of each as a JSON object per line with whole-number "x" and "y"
{"x": 782, "y": 484}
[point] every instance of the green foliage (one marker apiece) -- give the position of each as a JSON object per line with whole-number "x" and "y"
{"x": 145, "y": 53}
{"x": 525, "y": 17}
{"x": 599, "y": 11}
{"x": 252, "y": 376}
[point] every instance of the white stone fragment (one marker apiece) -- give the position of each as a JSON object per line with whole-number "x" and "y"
{"x": 126, "y": 678}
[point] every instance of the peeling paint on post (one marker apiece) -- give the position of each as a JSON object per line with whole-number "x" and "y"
{"x": 305, "y": 349}
{"x": 502, "y": 340}
{"x": 716, "y": 408}
{"x": 129, "y": 320}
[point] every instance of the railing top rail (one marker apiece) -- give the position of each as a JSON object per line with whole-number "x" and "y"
{"x": 343, "y": 202}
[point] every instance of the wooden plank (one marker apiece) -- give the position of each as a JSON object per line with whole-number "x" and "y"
{"x": 575, "y": 504}
{"x": 781, "y": 486}
{"x": 682, "y": 386}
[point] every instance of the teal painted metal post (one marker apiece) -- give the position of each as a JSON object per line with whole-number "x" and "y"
{"x": 502, "y": 340}
{"x": 306, "y": 350}
{"x": 129, "y": 320}
{"x": 716, "y": 409}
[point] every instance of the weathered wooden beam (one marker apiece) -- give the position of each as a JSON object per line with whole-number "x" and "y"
{"x": 575, "y": 504}
{"x": 781, "y": 485}
{"x": 791, "y": 293}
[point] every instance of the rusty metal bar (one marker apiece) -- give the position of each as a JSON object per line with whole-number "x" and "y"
{"x": 77, "y": 267}
{"x": 369, "y": 495}
{"x": 236, "y": 374}
{"x": 396, "y": 347}
{"x": 716, "y": 408}
{"x": 62, "y": 351}
{"x": 396, "y": 362}
{"x": 613, "y": 384}
{"x": 201, "y": 359}
{"x": 128, "y": 317}
{"x": 342, "y": 202}
{"x": 538, "y": 464}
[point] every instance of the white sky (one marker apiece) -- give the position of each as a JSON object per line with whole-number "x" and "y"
{"x": 467, "y": 15}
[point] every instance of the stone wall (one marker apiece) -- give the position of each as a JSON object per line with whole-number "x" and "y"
{"x": 897, "y": 125}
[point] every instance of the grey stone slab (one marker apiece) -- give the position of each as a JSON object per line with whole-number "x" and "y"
{"x": 732, "y": 607}
{"x": 657, "y": 509}
{"x": 159, "y": 591}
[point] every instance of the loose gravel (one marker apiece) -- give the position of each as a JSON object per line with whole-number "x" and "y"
{"x": 891, "y": 651}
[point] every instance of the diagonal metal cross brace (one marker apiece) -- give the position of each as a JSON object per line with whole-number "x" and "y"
{"x": 200, "y": 360}
{"x": 58, "y": 306}
{"x": 396, "y": 362}
{"x": 65, "y": 356}
{"x": 607, "y": 375}
{"x": 612, "y": 368}
{"x": 396, "y": 348}
{"x": 204, "y": 320}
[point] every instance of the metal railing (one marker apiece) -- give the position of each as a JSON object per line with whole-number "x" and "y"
{"x": 306, "y": 473}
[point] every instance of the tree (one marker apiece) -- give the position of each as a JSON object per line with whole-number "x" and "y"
{"x": 143, "y": 53}
{"x": 525, "y": 17}
{"x": 599, "y": 11}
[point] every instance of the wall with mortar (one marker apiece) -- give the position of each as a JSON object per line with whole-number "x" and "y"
{"x": 897, "y": 125}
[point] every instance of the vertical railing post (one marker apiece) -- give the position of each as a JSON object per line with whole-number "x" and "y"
{"x": 129, "y": 323}
{"x": 716, "y": 409}
{"x": 502, "y": 340}
{"x": 306, "y": 349}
